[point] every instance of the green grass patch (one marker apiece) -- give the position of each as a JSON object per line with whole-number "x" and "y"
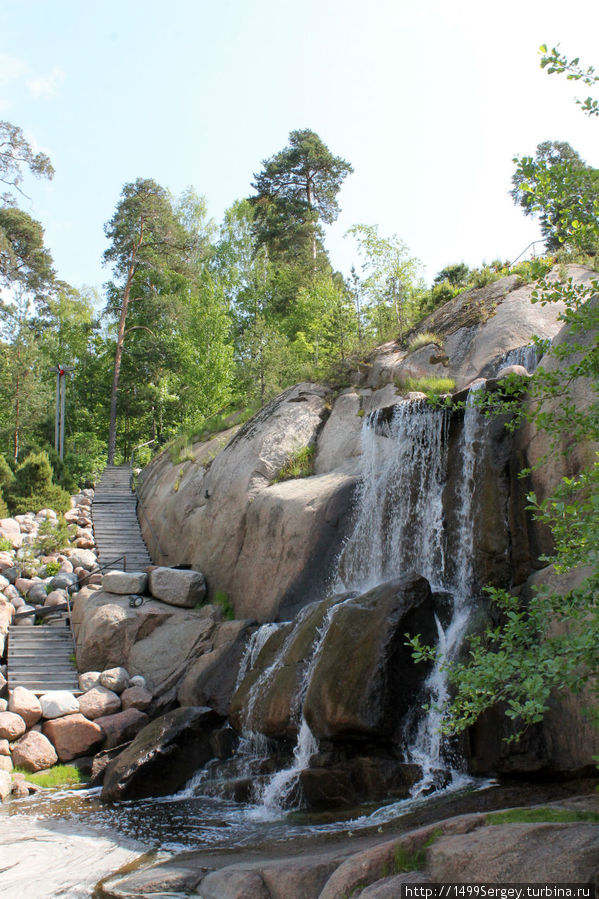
{"x": 221, "y": 598}
{"x": 58, "y": 776}
{"x": 299, "y": 464}
{"x": 5, "y": 544}
{"x": 542, "y": 816}
{"x": 426, "y": 338}
{"x": 431, "y": 386}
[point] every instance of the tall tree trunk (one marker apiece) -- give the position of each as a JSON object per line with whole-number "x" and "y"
{"x": 309, "y": 194}
{"x": 119, "y": 345}
{"x": 17, "y": 420}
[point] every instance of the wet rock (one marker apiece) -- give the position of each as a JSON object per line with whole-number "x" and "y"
{"x": 34, "y": 752}
{"x": 57, "y": 703}
{"x": 121, "y": 727}
{"x": 98, "y": 702}
{"x": 73, "y": 736}
{"x": 211, "y": 679}
{"x": 123, "y": 582}
{"x": 26, "y": 704}
{"x": 364, "y": 679}
{"x": 115, "y": 679}
{"x": 11, "y": 726}
{"x": 163, "y": 756}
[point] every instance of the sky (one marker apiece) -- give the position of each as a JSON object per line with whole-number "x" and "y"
{"x": 428, "y": 101}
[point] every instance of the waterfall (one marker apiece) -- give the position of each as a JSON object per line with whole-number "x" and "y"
{"x": 528, "y": 356}
{"x": 399, "y": 527}
{"x": 426, "y": 745}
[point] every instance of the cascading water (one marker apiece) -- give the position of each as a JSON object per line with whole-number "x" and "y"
{"x": 528, "y": 356}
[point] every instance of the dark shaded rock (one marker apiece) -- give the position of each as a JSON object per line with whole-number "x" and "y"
{"x": 101, "y": 760}
{"x": 163, "y": 756}
{"x": 364, "y": 679}
{"x": 211, "y": 679}
{"x": 122, "y": 726}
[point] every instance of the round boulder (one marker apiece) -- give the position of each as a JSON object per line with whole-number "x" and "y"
{"x": 98, "y": 702}
{"x": 89, "y": 680}
{"x": 26, "y": 704}
{"x": 34, "y": 752}
{"x": 115, "y": 679}
{"x": 12, "y": 726}
{"x": 136, "y": 698}
{"x": 57, "y": 703}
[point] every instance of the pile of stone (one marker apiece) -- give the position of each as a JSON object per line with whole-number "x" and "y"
{"x": 32, "y": 580}
{"x": 38, "y": 732}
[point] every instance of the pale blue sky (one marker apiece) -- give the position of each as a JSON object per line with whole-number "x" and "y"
{"x": 428, "y": 102}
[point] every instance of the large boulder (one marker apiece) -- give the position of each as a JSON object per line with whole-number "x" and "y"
{"x": 73, "y": 736}
{"x": 26, "y": 704}
{"x": 178, "y": 588}
{"x": 124, "y": 582}
{"x": 364, "y": 679}
{"x": 122, "y": 726}
{"x": 34, "y": 752}
{"x": 11, "y": 726}
{"x": 163, "y": 756}
{"x": 57, "y": 703}
{"x": 98, "y": 702}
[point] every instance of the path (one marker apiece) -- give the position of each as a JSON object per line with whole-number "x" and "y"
{"x": 42, "y": 658}
{"x": 114, "y": 515}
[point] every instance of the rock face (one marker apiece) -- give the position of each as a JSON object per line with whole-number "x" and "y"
{"x": 163, "y": 756}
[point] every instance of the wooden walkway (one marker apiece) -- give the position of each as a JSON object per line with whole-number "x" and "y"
{"x": 114, "y": 516}
{"x": 42, "y": 658}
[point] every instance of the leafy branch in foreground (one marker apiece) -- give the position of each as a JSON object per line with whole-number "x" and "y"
{"x": 557, "y": 63}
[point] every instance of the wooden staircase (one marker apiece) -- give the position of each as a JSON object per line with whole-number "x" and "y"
{"x": 114, "y": 516}
{"x": 42, "y": 658}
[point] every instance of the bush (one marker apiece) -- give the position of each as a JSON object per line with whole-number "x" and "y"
{"x": 51, "y": 537}
{"x": 6, "y": 473}
{"x": 32, "y": 488}
{"x": 4, "y": 513}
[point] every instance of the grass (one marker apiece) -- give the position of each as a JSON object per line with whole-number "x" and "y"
{"x": 541, "y": 815}
{"x": 431, "y": 386}
{"x": 426, "y": 338}
{"x": 299, "y": 464}
{"x": 5, "y": 544}
{"x": 58, "y": 776}
{"x": 180, "y": 448}
{"x": 222, "y": 599}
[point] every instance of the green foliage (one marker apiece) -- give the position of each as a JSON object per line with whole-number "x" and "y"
{"x": 221, "y": 598}
{"x": 6, "y": 473}
{"x": 299, "y": 464}
{"x": 542, "y": 816}
{"x": 32, "y": 488}
{"x": 85, "y": 459}
{"x": 556, "y": 62}
{"x": 52, "y": 536}
{"x": 5, "y": 543}
{"x": 52, "y": 568}
{"x": 57, "y": 776}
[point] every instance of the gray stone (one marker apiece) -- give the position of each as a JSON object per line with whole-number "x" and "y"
{"x": 63, "y": 580}
{"x": 178, "y": 588}
{"x": 89, "y": 680}
{"x": 115, "y": 679}
{"x": 37, "y": 594}
{"x": 123, "y": 582}
{"x": 99, "y": 701}
{"x": 138, "y": 681}
{"x": 58, "y": 703}
{"x": 83, "y": 558}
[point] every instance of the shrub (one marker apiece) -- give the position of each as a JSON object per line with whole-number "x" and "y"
{"x": 52, "y": 568}
{"x": 6, "y": 473}
{"x": 4, "y": 513}
{"x": 298, "y": 465}
{"x": 32, "y": 488}
{"x": 51, "y": 537}
{"x": 5, "y": 544}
